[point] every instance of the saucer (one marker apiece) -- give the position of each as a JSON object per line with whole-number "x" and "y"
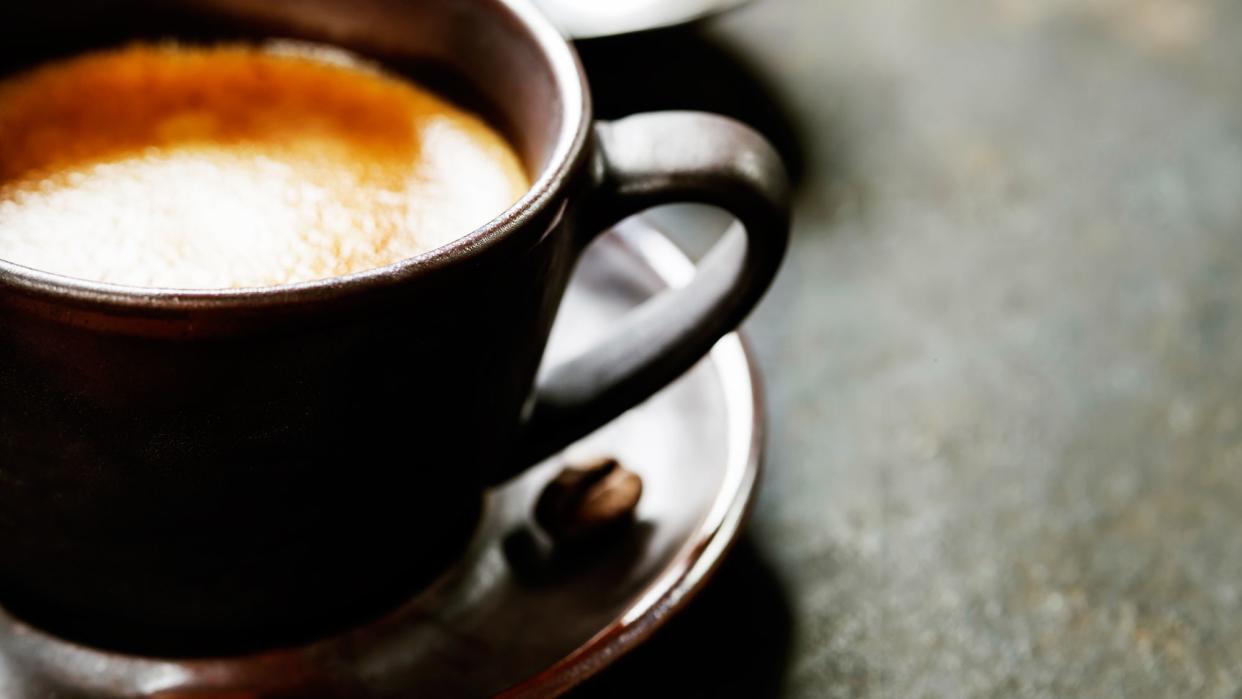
{"x": 584, "y": 19}
{"x": 511, "y": 618}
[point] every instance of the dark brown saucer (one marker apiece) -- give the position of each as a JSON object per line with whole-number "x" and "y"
{"x": 513, "y": 617}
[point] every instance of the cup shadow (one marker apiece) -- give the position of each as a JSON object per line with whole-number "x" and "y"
{"x": 684, "y": 68}
{"x": 733, "y": 640}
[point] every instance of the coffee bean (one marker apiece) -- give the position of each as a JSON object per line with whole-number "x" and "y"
{"x": 588, "y": 502}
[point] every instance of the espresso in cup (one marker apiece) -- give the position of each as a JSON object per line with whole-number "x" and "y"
{"x": 207, "y": 473}
{"x": 237, "y": 166}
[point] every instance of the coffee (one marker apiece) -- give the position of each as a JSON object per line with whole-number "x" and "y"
{"x": 235, "y": 166}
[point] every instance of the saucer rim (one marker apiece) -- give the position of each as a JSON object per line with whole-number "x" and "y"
{"x": 699, "y": 558}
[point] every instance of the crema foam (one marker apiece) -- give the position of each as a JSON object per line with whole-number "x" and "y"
{"x": 234, "y": 166}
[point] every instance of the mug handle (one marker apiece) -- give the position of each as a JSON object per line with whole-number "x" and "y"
{"x": 645, "y": 161}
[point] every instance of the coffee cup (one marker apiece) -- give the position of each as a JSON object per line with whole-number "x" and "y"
{"x": 200, "y": 472}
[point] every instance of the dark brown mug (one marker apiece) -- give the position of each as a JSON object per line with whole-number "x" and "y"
{"x": 203, "y": 472}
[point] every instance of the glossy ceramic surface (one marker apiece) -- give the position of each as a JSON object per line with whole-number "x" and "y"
{"x": 512, "y": 617}
{"x": 349, "y": 427}
{"x": 589, "y": 19}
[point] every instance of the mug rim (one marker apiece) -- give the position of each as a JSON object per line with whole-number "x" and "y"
{"x": 571, "y": 87}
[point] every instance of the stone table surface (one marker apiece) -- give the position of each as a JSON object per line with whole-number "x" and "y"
{"x": 1003, "y": 361}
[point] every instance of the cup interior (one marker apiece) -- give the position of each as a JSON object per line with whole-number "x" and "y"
{"x": 483, "y": 54}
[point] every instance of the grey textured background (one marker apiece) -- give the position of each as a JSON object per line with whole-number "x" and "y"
{"x": 1004, "y": 357}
